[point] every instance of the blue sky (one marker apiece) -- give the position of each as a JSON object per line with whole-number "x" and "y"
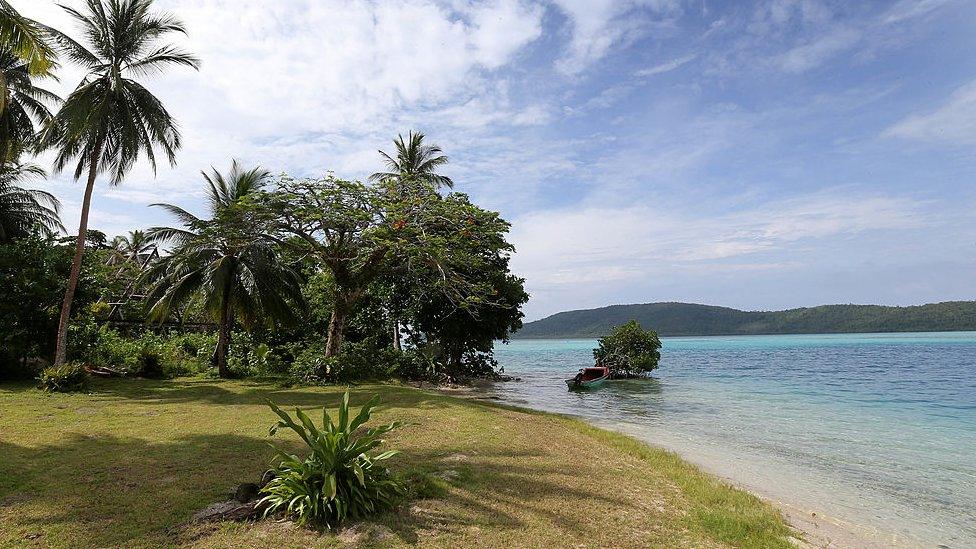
{"x": 765, "y": 154}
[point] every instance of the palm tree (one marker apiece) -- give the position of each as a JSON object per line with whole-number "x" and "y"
{"x": 129, "y": 248}
{"x": 110, "y": 120}
{"x": 226, "y": 262}
{"x": 25, "y": 107}
{"x": 414, "y": 162}
{"x": 26, "y": 40}
{"x": 25, "y": 211}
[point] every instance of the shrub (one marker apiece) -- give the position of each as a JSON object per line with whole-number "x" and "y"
{"x": 340, "y": 478}
{"x": 151, "y": 363}
{"x": 65, "y": 378}
{"x": 355, "y": 362}
{"x": 629, "y": 350}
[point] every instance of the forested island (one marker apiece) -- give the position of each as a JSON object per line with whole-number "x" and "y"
{"x": 689, "y": 319}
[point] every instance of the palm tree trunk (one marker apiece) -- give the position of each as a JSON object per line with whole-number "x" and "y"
{"x": 3, "y": 94}
{"x": 223, "y": 335}
{"x": 61, "y": 350}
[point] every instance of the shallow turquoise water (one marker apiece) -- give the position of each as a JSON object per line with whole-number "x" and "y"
{"x": 875, "y": 429}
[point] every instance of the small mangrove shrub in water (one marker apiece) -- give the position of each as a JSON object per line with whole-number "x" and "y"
{"x": 629, "y": 351}
{"x": 66, "y": 378}
{"x": 340, "y": 478}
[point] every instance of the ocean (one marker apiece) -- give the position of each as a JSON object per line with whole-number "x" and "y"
{"x": 878, "y": 430}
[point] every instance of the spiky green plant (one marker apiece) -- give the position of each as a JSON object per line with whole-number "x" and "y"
{"x": 340, "y": 479}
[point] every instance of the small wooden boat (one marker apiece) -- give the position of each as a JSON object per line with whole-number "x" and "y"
{"x": 589, "y": 378}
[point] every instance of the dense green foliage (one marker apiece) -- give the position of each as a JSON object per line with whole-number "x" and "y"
{"x": 65, "y": 378}
{"x": 340, "y": 478}
{"x": 32, "y": 277}
{"x": 677, "y": 319}
{"x": 629, "y": 350}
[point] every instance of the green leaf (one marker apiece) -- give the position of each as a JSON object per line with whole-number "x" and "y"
{"x": 344, "y": 412}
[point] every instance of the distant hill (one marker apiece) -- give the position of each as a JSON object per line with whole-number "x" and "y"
{"x": 674, "y": 319}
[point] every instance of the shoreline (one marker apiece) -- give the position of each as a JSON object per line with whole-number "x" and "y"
{"x": 819, "y": 530}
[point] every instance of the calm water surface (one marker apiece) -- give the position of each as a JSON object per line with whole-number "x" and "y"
{"x": 877, "y": 429}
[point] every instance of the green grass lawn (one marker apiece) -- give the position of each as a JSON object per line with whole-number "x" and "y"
{"x": 130, "y": 462}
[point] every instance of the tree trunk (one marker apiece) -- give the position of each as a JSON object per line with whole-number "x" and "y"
{"x": 337, "y": 324}
{"x": 60, "y": 353}
{"x": 397, "y": 346}
{"x": 3, "y": 96}
{"x": 223, "y": 336}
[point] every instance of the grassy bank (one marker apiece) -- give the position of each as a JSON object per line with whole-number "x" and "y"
{"x": 131, "y": 462}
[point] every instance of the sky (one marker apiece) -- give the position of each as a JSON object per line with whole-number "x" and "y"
{"x": 758, "y": 154}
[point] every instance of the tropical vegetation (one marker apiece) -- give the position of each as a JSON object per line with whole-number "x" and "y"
{"x": 63, "y": 378}
{"x": 24, "y": 212}
{"x": 25, "y": 40}
{"x": 226, "y": 263}
{"x": 288, "y": 281}
{"x": 341, "y": 478}
{"x": 629, "y": 351}
{"x": 314, "y": 279}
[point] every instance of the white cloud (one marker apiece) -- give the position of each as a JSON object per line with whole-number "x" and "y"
{"x": 909, "y": 9}
{"x": 812, "y": 54}
{"x": 666, "y": 67}
{"x": 953, "y": 122}
{"x": 585, "y": 244}
{"x": 598, "y": 25}
{"x": 309, "y": 85}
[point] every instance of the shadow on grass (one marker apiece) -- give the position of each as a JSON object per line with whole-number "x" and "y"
{"x": 101, "y": 489}
{"x": 106, "y": 490}
{"x": 492, "y": 490}
{"x": 257, "y": 393}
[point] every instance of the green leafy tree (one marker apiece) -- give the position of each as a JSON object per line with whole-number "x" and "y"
{"x": 110, "y": 120}
{"x": 33, "y": 271}
{"x": 225, "y": 261}
{"x": 414, "y": 162}
{"x": 25, "y": 107}
{"x": 465, "y": 336}
{"x": 629, "y": 350}
{"x": 340, "y": 224}
{"x": 359, "y": 233}
{"x": 24, "y": 212}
